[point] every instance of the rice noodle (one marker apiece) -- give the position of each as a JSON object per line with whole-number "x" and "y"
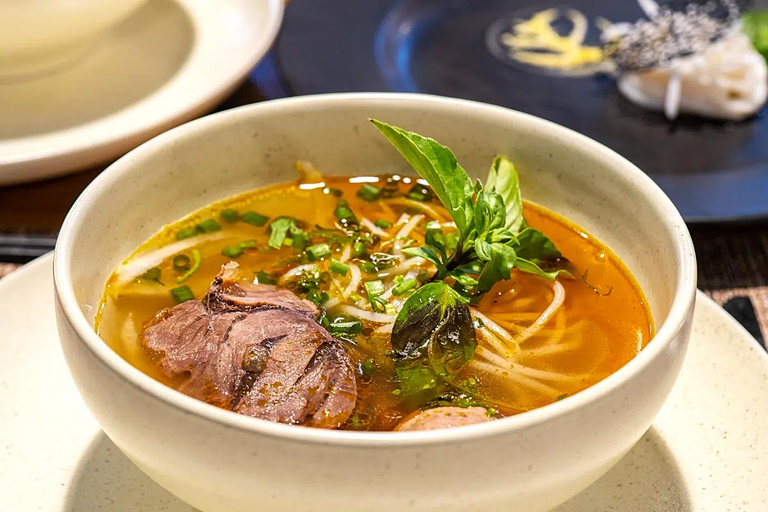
{"x": 548, "y": 349}
{"x": 373, "y": 228}
{"x": 355, "y": 276}
{"x": 404, "y": 232}
{"x": 493, "y": 327}
{"x": 402, "y": 268}
{"x": 296, "y": 271}
{"x": 346, "y": 253}
{"x": 367, "y": 315}
{"x": 387, "y": 209}
{"x": 419, "y": 206}
{"x": 557, "y": 302}
{"x": 385, "y": 329}
{"x": 136, "y": 265}
{"x": 331, "y": 303}
{"x": 512, "y": 375}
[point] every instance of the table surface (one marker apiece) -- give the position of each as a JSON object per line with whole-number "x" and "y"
{"x": 733, "y": 259}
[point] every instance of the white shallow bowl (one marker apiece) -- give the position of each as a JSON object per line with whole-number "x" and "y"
{"x": 38, "y": 34}
{"x": 220, "y": 461}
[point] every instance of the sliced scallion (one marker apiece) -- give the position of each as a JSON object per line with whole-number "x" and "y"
{"x": 358, "y": 248}
{"x": 229, "y": 216}
{"x": 208, "y": 226}
{"x": 232, "y": 252}
{"x": 318, "y": 252}
{"x": 383, "y": 224}
{"x": 338, "y": 267}
{"x": 368, "y": 192}
{"x": 344, "y": 213}
{"x": 254, "y": 219}
{"x": 185, "y": 233}
{"x": 374, "y": 290}
{"x": 368, "y": 267}
{"x": 404, "y": 286}
{"x": 182, "y": 294}
{"x": 197, "y": 259}
{"x": 181, "y": 263}
{"x": 346, "y": 327}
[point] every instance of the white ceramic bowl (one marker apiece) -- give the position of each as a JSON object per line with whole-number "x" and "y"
{"x": 36, "y": 35}
{"x": 220, "y": 461}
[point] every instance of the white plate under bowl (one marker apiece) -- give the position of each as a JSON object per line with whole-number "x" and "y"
{"x": 169, "y": 62}
{"x": 706, "y": 451}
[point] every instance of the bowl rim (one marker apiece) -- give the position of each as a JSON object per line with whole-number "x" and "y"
{"x": 679, "y": 312}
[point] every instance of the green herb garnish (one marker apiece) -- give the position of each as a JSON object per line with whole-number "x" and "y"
{"x": 493, "y": 237}
{"x": 181, "y": 263}
{"x": 340, "y": 326}
{"x": 153, "y": 274}
{"x": 264, "y": 278}
{"x": 232, "y": 252}
{"x": 374, "y": 290}
{"x": 229, "y": 216}
{"x": 404, "y": 285}
{"x": 197, "y": 259}
{"x": 254, "y": 219}
{"x": 344, "y": 213}
{"x": 182, "y": 294}
{"x": 318, "y": 252}
{"x": 338, "y": 267}
{"x": 383, "y": 224}
{"x": 208, "y": 226}
{"x": 368, "y": 192}
{"x": 185, "y": 233}
{"x": 279, "y": 229}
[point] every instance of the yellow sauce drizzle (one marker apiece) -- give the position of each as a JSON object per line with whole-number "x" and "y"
{"x": 536, "y": 43}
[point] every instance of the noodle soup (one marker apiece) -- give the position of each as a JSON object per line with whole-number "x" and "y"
{"x": 364, "y": 303}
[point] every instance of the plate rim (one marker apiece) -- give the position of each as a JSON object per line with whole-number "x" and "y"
{"x": 56, "y": 155}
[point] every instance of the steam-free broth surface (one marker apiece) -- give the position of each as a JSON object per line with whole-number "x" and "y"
{"x": 602, "y": 323}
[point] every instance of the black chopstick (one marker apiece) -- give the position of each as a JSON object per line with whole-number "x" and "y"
{"x": 21, "y": 248}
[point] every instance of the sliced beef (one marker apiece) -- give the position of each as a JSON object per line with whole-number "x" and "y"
{"x": 228, "y": 293}
{"x": 444, "y": 417}
{"x": 256, "y": 350}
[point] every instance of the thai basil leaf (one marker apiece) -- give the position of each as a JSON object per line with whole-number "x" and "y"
{"x": 436, "y": 164}
{"x": 503, "y": 179}
{"x": 483, "y": 250}
{"x": 434, "y": 237}
{"x": 535, "y": 246}
{"x": 533, "y": 268}
{"x": 755, "y": 26}
{"x": 464, "y": 279}
{"x": 489, "y": 212}
{"x": 433, "y": 332}
{"x": 501, "y": 262}
{"x": 429, "y": 254}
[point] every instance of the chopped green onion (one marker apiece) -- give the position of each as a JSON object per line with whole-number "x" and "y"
{"x": 197, "y": 258}
{"x": 368, "y": 192}
{"x": 247, "y": 244}
{"x": 288, "y": 242}
{"x": 383, "y": 224}
{"x": 419, "y": 193}
{"x": 404, "y": 286}
{"x": 181, "y": 262}
{"x": 355, "y": 297}
{"x": 374, "y": 290}
{"x": 208, "y": 226}
{"x": 153, "y": 274}
{"x": 346, "y": 327}
{"x": 264, "y": 278}
{"x": 185, "y": 233}
{"x": 368, "y": 267}
{"x": 232, "y": 252}
{"x": 182, "y": 294}
{"x": 229, "y": 216}
{"x": 300, "y": 238}
{"x": 338, "y": 267}
{"x": 318, "y": 252}
{"x": 254, "y": 219}
{"x": 358, "y": 248}
{"x": 344, "y": 214}
{"x": 333, "y": 191}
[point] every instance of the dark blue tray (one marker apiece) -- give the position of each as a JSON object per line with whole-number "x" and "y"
{"x": 713, "y": 171}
